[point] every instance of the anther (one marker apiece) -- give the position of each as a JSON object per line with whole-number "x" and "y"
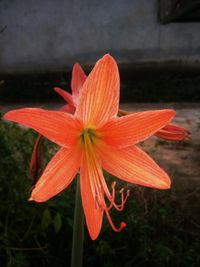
{"x": 120, "y": 207}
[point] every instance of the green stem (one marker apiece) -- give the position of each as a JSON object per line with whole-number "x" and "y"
{"x": 78, "y": 230}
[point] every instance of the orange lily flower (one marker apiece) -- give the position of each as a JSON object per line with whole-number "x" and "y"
{"x": 170, "y": 132}
{"x": 93, "y": 139}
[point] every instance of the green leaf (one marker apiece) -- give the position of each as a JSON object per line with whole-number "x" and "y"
{"x": 57, "y": 222}
{"x": 46, "y": 219}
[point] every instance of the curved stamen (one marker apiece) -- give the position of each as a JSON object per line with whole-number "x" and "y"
{"x": 107, "y": 209}
{"x": 120, "y": 207}
{"x": 122, "y": 224}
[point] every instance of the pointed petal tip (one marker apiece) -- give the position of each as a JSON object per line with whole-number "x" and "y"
{"x": 93, "y": 237}
{"x": 108, "y": 60}
{"x": 33, "y": 197}
{"x": 108, "y": 57}
{"x": 173, "y": 112}
{"x": 165, "y": 184}
{"x": 170, "y": 112}
{"x": 40, "y": 200}
{"x": 77, "y": 65}
{"x": 9, "y": 115}
{"x": 5, "y": 116}
{"x": 57, "y": 89}
{"x": 93, "y": 233}
{"x": 13, "y": 114}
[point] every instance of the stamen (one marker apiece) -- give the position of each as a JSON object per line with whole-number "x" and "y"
{"x": 120, "y": 207}
{"x": 122, "y": 224}
{"x": 113, "y": 196}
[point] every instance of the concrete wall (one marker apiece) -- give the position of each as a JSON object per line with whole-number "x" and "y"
{"x": 50, "y": 35}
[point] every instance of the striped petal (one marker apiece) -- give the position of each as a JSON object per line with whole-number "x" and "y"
{"x": 131, "y": 129}
{"x": 99, "y": 97}
{"x": 78, "y": 79}
{"x": 57, "y": 126}
{"x": 58, "y": 174}
{"x": 173, "y": 132}
{"x": 93, "y": 214}
{"x": 134, "y": 166}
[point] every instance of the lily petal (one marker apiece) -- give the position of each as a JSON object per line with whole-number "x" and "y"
{"x": 173, "y": 132}
{"x": 65, "y": 95}
{"x": 134, "y": 166}
{"x": 131, "y": 129}
{"x": 99, "y": 97}
{"x": 68, "y": 108}
{"x": 78, "y": 79}
{"x": 58, "y": 174}
{"x": 93, "y": 214}
{"x": 57, "y": 126}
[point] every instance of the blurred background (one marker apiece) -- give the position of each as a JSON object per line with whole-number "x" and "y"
{"x": 157, "y": 47}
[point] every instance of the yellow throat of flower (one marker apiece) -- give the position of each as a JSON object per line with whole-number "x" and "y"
{"x": 88, "y": 136}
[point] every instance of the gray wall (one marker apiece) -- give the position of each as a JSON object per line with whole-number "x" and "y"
{"x": 50, "y": 35}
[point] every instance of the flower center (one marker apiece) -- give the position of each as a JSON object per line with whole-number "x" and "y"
{"x": 88, "y": 134}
